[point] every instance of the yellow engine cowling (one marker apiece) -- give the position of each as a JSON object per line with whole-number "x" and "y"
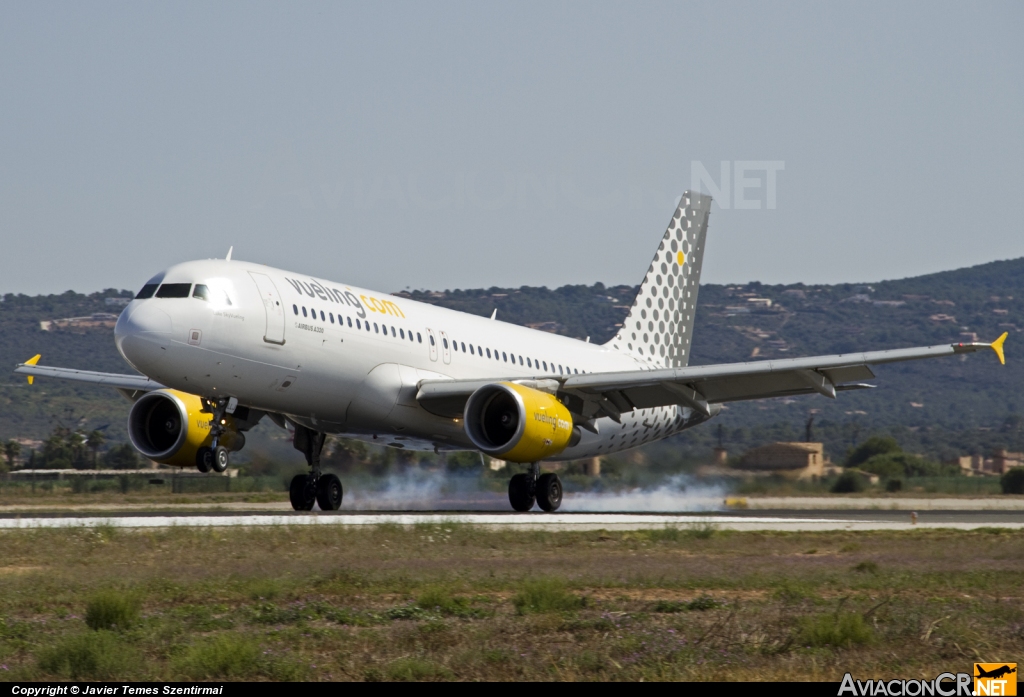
{"x": 517, "y": 423}
{"x": 169, "y": 426}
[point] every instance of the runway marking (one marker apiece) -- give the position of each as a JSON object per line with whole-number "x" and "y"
{"x": 525, "y": 521}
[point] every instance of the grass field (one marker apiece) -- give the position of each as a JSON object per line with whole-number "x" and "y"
{"x": 453, "y": 602}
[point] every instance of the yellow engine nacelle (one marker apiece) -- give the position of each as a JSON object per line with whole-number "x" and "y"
{"x": 517, "y": 423}
{"x": 169, "y": 427}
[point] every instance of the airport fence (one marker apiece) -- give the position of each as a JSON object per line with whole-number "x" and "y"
{"x": 155, "y": 483}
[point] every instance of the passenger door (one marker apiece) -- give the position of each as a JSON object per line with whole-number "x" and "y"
{"x": 445, "y": 350}
{"x": 274, "y": 333}
{"x": 432, "y": 343}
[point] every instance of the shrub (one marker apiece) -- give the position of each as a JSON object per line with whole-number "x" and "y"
{"x": 876, "y": 445}
{"x": 223, "y": 656}
{"x": 839, "y": 630}
{"x": 1012, "y": 481}
{"x": 904, "y": 465}
{"x": 440, "y": 599}
{"x": 111, "y": 609}
{"x": 545, "y": 595}
{"x": 894, "y": 485}
{"x": 98, "y": 655}
{"x": 866, "y": 567}
{"x": 849, "y": 483}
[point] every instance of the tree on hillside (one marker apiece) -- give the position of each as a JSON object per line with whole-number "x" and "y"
{"x": 12, "y": 449}
{"x": 121, "y": 457}
{"x": 876, "y": 445}
{"x": 57, "y": 449}
{"x": 94, "y": 440}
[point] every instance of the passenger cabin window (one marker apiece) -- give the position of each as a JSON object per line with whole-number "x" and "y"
{"x": 323, "y": 317}
{"x": 358, "y": 326}
{"x": 431, "y": 340}
{"x": 545, "y": 364}
{"x": 463, "y": 348}
{"x": 488, "y": 353}
{"x": 402, "y": 333}
{"x": 419, "y": 338}
{"x": 295, "y": 309}
{"x": 445, "y": 342}
{"x": 331, "y": 314}
{"x": 505, "y": 356}
{"x": 375, "y": 329}
{"x": 174, "y": 290}
{"x": 350, "y": 321}
{"x": 147, "y": 291}
{"x": 393, "y": 332}
{"x": 471, "y": 350}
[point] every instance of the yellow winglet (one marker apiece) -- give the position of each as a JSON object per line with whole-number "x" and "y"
{"x": 997, "y": 346}
{"x": 35, "y": 359}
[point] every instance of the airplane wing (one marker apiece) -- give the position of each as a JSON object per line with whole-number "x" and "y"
{"x": 131, "y": 383}
{"x": 594, "y": 395}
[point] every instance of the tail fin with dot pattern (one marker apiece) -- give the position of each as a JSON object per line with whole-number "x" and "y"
{"x": 659, "y": 327}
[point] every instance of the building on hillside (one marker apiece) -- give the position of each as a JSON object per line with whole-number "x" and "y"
{"x": 796, "y": 460}
{"x": 997, "y": 464}
{"x": 96, "y": 320}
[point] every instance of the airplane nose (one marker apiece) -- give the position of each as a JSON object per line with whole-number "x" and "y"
{"x": 139, "y": 326}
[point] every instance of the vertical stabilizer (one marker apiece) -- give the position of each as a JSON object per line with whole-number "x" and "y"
{"x": 659, "y": 327}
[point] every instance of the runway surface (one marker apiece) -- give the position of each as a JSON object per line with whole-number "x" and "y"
{"x": 777, "y": 520}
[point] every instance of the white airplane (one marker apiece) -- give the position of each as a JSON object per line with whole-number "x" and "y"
{"x": 221, "y": 344}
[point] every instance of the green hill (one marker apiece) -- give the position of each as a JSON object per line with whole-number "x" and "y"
{"x": 942, "y": 407}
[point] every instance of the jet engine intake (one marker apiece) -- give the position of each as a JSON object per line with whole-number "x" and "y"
{"x": 517, "y": 423}
{"x": 169, "y": 427}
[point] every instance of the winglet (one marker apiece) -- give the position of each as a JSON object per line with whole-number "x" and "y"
{"x": 997, "y": 346}
{"x": 33, "y": 361}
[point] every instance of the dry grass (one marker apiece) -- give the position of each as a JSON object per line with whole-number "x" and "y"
{"x": 453, "y": 602}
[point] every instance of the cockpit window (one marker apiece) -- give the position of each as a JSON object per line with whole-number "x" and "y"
{"x": 147, "y": 291}
{"x": 174, "y": 290}
{"x": 204, "y": 292}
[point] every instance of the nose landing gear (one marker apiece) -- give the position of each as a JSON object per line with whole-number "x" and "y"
{"x": 315, "y": 487}
{"x": 544, "y": 489}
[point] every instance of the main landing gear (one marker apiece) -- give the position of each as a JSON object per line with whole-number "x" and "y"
{"x": 315, "y": 487}
{"x": 525, "y": 489}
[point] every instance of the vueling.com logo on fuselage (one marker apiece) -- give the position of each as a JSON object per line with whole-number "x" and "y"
{"x": 346, "y": 297}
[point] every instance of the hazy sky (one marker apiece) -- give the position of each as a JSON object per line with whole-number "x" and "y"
{"x": 445, "y": 145}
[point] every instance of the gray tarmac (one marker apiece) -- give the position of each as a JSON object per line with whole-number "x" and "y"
{"x": 749, "y": 520}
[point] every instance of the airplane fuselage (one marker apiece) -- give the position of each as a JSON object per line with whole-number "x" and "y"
{"x": 346, "y": 360}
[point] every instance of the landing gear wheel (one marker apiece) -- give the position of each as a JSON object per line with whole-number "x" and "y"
{"x": 549, "y": 492}
{"x": 300, "y": 493}
{"x": 220, "y": 459}
{"x": 520, "y": 493}
{"x": 329, "y": 492}
{"x": 204, "y": 459}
